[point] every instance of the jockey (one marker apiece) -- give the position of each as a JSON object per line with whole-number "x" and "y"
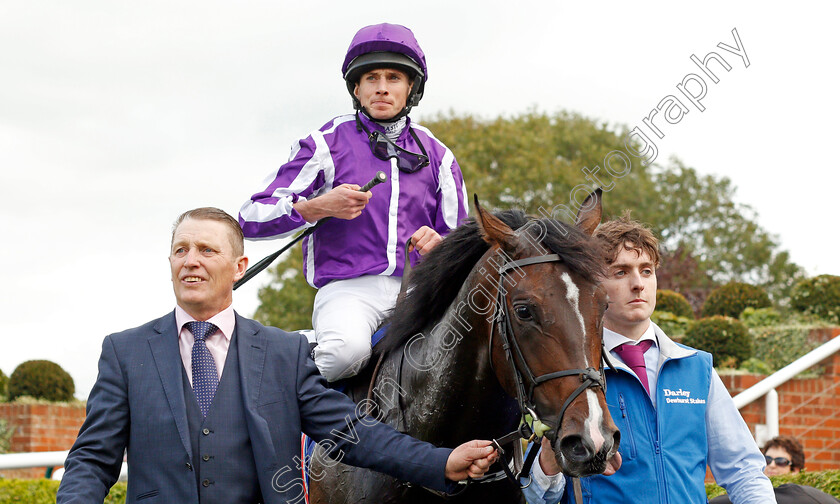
{"x": 356, "y": 259}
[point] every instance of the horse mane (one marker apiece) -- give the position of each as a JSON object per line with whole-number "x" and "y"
{"x": 436, "y": 281}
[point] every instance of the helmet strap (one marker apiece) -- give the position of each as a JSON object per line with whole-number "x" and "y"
{"x": 385, "y": 122}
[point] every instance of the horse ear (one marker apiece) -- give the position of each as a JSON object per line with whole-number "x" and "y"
{"x": 589, "y": 214}
{"x": 492, "y": 229}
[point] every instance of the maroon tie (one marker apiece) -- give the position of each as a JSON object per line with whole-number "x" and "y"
{"x": 634, "y": 356}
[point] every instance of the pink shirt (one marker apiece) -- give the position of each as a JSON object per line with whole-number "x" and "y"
{"x": 217, "y": 343}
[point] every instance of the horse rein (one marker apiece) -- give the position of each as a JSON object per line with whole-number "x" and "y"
{"x": 589, "y": 377}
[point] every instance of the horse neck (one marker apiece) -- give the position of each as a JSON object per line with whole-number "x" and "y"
{"x": 455, "y": 393}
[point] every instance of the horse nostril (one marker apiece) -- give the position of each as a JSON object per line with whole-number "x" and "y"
{"x": 576, "y": 449}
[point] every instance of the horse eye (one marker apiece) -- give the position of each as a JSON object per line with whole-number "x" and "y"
{"x": 522, "y": 312}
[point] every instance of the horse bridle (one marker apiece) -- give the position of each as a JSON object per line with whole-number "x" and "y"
{"x": 589, "y": 377}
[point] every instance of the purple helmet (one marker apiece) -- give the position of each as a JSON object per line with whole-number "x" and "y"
{"x": 389, "y": 46}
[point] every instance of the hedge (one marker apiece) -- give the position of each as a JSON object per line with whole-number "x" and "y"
{"x": 731, "y": 299}
{"x": 674, "y": 326}
{"x": 827, "y": 481}
{"x": 674, "y": 302}
{"x": 760, "y": 317}
{"x": 41, "y": 379}
{"x": 819, "y": 296}
{"x": 42, "y": 491}
{"x": 780, "y": 345}
{"x": 727, "y": 339}
{"x": 4, "y": 386}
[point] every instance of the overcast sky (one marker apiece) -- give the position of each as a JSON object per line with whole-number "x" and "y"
{"x": 117, "y": 116}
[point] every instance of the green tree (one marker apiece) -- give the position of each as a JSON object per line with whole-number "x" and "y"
{"x": 542, "y": 162}
{"x": 286, "y": 302}
{"x": 698, "y": 214}
{"x": 534, "y": 161}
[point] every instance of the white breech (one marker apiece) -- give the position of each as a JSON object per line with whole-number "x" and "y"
{"x": 345, "y": 316}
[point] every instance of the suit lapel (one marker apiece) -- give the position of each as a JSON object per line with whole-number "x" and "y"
{"x": 252, "y": 345}
{"x": 167, "y": 355}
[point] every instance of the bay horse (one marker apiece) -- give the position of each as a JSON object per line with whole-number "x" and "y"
{"x": 492, "y": 318}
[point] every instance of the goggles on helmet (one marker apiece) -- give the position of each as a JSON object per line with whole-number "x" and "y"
{"x": 384, "y": 148}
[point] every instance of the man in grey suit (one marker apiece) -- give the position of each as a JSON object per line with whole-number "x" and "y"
{"x": 210, "y": 405}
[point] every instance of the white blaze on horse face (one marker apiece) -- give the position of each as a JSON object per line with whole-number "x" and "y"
{"x": 592, "y": 424}
{"x": 573, "y": 296}
{"x": 593, "y": 421}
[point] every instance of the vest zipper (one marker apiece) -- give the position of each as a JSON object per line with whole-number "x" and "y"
{"x": 657, "y": 446}
{"x": 623, "y": 407}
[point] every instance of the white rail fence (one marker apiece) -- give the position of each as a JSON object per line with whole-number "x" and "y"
{"x": 50, "y": 460}
{"x": 766, "y": 387}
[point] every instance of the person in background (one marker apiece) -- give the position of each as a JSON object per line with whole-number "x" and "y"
{"x": 356, "y": 259}
{"x": 783, "y": 455}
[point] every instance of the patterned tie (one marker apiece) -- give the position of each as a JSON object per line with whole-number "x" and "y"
{"x": 634, "y": 356}
{"x": 205, "y": 378}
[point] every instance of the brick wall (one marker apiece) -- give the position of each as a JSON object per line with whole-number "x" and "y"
{"x": 809, "y": 407}
{"x": 41, "y": 427}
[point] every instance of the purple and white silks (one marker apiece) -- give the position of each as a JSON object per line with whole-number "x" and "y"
{"x": 371, "y": 244}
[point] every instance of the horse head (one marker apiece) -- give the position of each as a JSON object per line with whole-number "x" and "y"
{"x": 546, "y": 344}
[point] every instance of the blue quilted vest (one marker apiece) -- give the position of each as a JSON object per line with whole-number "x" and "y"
{"x": 663, "y": 449}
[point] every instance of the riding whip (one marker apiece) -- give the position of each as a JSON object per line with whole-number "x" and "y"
{"x": 266, "y": 261}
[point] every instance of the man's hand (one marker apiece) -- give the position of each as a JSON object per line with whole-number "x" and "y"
{"x": 424, "y": 240}
{"x": 470, "y": 459}
{"x": 343, "y": 202}
{"x": 548, "y": 462}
